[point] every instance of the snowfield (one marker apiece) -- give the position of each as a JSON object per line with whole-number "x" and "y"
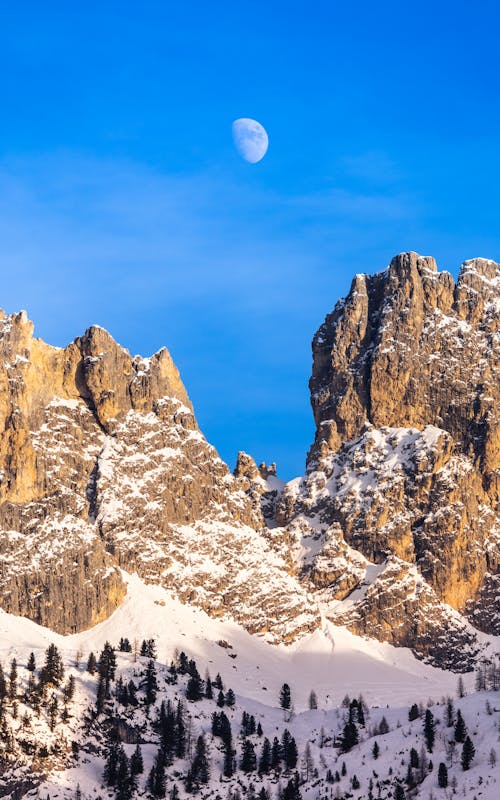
{"x": 332, "y": 662}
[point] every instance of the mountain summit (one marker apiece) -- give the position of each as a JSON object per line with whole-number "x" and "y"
{"x": 393, "y": 531}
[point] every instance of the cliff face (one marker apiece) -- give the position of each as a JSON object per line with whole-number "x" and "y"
{"x": 103, "y": 466}
{"x": 405, "y": 392}
{"x": 393, "y": 531}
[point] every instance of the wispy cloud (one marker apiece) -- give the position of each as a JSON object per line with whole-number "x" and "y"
{"x": 233, "y": 277}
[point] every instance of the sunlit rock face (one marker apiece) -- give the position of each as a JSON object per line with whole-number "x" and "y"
{"x": 102, "y": 466}
{"x": 393, "y": 530}
{"x": 405, "y": 391}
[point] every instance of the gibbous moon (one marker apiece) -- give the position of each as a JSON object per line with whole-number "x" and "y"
{"x": 250, "y": 139}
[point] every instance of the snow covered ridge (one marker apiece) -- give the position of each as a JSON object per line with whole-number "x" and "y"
{"x": 201, "y": 713}
{"x": 393, "y": 530}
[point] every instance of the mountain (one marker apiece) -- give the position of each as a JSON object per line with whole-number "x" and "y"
{"x": 103, "y": 467}
{"x": 399, "y": 509}
{"x": 392, "y": 532}
{"x": 138, "y": 576}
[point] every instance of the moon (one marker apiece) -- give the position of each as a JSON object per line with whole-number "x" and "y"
{"x": 250, "y": 139}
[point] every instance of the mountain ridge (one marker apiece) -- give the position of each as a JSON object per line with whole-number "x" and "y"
{"x": 392, "y": 531}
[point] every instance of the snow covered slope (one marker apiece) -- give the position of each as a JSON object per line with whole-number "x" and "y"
{"x": 332, "y": 662}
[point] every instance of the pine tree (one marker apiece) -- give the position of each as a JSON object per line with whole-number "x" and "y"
{"x": 429, "y": 730}
{"x": 228, "y": 765}
{"x": 194, "y": 688}
{"x": 248, "y": 759}
{"x": 399, "y": 792}
{"x": 208, "y": 687}
{"x": 460, "y": 728}
{"x": 442, "y": 776}
{"x": 148, "y": 648}
{"x": 292, "y": 791}
{"x": 313, "y": 700}
{"x": 69, "y": 689}
{"x": 199, "y": 768}
{"x": 107, "y": 665}
{"x": 276, "y": 754}
{"x": 3, "y": 686}
{"x": 52, "y": 712}
{"x": 414, "y": 760}
{"x": 221, "y": 700}
{"x": 52, "y": 670}
{"x": 229, "y": 698}
{"x": 307, "y": 763}
{"x": 285, "y": 697}
{"x": 31, "y": 665}
{"x": 376, "y": 750}
{"x": 218, "y": 683}
{"x": 111, "y": 764}
{"x": 91, "y": 664}
{"x": 413, "y": 713}
{"x": 13, "y": 679}
{"x": 349, "y": 737}
{"x": 450, "y": 711}
{"x": 468, "y": 753}
{"x": 383, "y": 726}
{"x": 123, "y": 784}
{"x": 150, "y": 683}
{"x": 101, "y": 695}
{"x": 136, "y": 762}
{"x": 460, "y": 687}
{"x": 265, "y": 757}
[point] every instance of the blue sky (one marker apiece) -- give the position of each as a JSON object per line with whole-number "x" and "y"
{"x": 124, "y": 203}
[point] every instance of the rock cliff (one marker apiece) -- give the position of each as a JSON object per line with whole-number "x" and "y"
{"x": 102, "y": 467}
{"x": 393, "y": 531}
{"x": 405, "y": 392}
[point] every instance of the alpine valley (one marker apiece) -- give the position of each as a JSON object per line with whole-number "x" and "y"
{"x": 171, "y": 629}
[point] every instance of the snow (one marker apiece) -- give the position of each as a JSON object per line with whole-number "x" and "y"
{"x": 331, "y": 661}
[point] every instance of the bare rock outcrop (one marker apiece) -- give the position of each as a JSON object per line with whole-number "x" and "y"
{"x": 102, "y": 467}
{"x": 405, "y": 391}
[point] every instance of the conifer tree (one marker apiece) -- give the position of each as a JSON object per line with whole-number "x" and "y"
{"x": 3, "y": 686}
{"x": 413, "y": 713}
{"x": 13, "y": 679}
{"x": 136, "y": 761}
{"x": 218, "y": 683}
{"x": 150, "y": 683}
{"x": 442, "y": 776}
{"x": 200, "y": 772}
{"x": 248, "y": 758}
{"x": 31, "y": 665}
{"x": 375, "y": 750}
{"x": 229, "y": 698}
{"x": 450, "y": 711}
{"x": 265, "y": 757}
{"x": 52, "y": 670}
{"x": 460, "y": 728}
{"x": 194, "y": 688}
{"x": 349, "y": 737}
{"x": 313, "y": 700}
{"x": 399, "y": 792}
{"x": 468, "y": 753}
{"x": 429, "y": 730}
{"x": 285, "y": 697}
{"x": 111, "y": 764}
{"x": 91, "y": 663}
{"x": 276, "y": 754}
